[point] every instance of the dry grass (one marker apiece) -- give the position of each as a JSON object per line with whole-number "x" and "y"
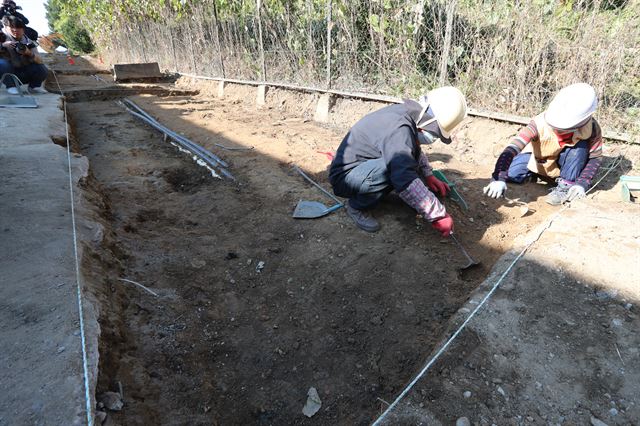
{"x": 504, "y": 57}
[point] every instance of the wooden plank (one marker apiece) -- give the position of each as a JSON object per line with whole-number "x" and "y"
{"x": 500, "y": 116}
{"x": 140, "y": 71}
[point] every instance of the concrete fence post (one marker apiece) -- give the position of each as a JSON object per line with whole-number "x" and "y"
{"x": 446, "y": 48}
{"x": 329, "y": 51}
{"x": 262, "y": 60}
{"x": 217, "y": 33}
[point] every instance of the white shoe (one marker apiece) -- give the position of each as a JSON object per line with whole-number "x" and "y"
{"x": 13, "y": 91}
{"x": 38, "y": 89}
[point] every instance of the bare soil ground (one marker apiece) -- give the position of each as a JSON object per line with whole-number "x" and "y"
{"x": 226, "y": 342}
{"x": 557, "y": 344}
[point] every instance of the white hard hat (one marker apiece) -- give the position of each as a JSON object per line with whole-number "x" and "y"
{"x": 572, "y": 106}
{"x": 449, "y": 108}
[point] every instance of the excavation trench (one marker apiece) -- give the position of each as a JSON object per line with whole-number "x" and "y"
{"x": 254, "y": 307}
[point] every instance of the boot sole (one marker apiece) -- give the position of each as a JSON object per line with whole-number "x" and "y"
{"x": 372, "y": 229}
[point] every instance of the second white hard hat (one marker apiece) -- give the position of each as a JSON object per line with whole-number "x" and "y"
{"x": 572, "y": 106}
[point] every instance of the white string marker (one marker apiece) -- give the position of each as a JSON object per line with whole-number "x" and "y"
{"x": 85, "y": 366}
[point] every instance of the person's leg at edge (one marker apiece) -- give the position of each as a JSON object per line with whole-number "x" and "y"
{"x": 572, "y": 160}
{"x": 32, "y": 74}
{"x": 518, "y": 170}
{"x": 372, "y": 182}
{"x": 6, "y": 67}
{"x": 365, "y": 186}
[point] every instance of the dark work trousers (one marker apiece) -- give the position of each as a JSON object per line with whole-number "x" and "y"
{"x": 32, "y": 74}
{"x": 571, "y": 161}
{"x": 365, "y": 185}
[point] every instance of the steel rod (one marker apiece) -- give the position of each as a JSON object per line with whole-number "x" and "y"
{"x": 317, "y": 186}
{"x": 177, "y": 136}
{"x": 461, "y": 247}
{"x": 195, "y": 149}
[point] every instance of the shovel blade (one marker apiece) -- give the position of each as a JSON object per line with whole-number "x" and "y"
{"x": 310, "y": 210}
{"x": 471, "y": 261}
{"x": 470, "y": 265}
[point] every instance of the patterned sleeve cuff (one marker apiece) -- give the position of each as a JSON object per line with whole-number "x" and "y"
{"x": 424, "y": 166}
{"x": 503, "y": 176}
{"x": 589, "y": 172}
{"x": 418, "y": 196}
{"x": 501, "y": 171}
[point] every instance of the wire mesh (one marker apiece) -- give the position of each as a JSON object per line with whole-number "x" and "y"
{"x": 504, "y": 55}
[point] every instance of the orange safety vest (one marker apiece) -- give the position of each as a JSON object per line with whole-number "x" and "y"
{"x": 546, "y": 149}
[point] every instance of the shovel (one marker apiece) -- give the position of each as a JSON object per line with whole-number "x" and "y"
{"x": 472, "y": 263}
{"x": 314, "y": 209}
{"x": 453, "y": 194}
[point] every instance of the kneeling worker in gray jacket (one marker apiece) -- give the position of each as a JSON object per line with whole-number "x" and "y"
{"x": 382, "y": 153}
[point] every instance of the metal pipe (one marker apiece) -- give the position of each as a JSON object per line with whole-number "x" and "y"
{"x": 166, "y": 132}
{"x": 176, "y": 136}
{"x": 193, "y": 148}
{"x": 317, "y": 186}
{"x": 200, "y": 153}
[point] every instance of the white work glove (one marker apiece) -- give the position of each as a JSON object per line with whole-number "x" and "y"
{"x": 575, "y": 193}
{"x": 495, "y": 189}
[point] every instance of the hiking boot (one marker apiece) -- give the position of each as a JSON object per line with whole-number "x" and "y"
{"x": 559, "y": 194}
{"x": 363, "y": 219}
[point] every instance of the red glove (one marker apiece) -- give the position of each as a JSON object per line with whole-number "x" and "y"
{"x": 443, "y": 225}
{"x": 436, "y": 186}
